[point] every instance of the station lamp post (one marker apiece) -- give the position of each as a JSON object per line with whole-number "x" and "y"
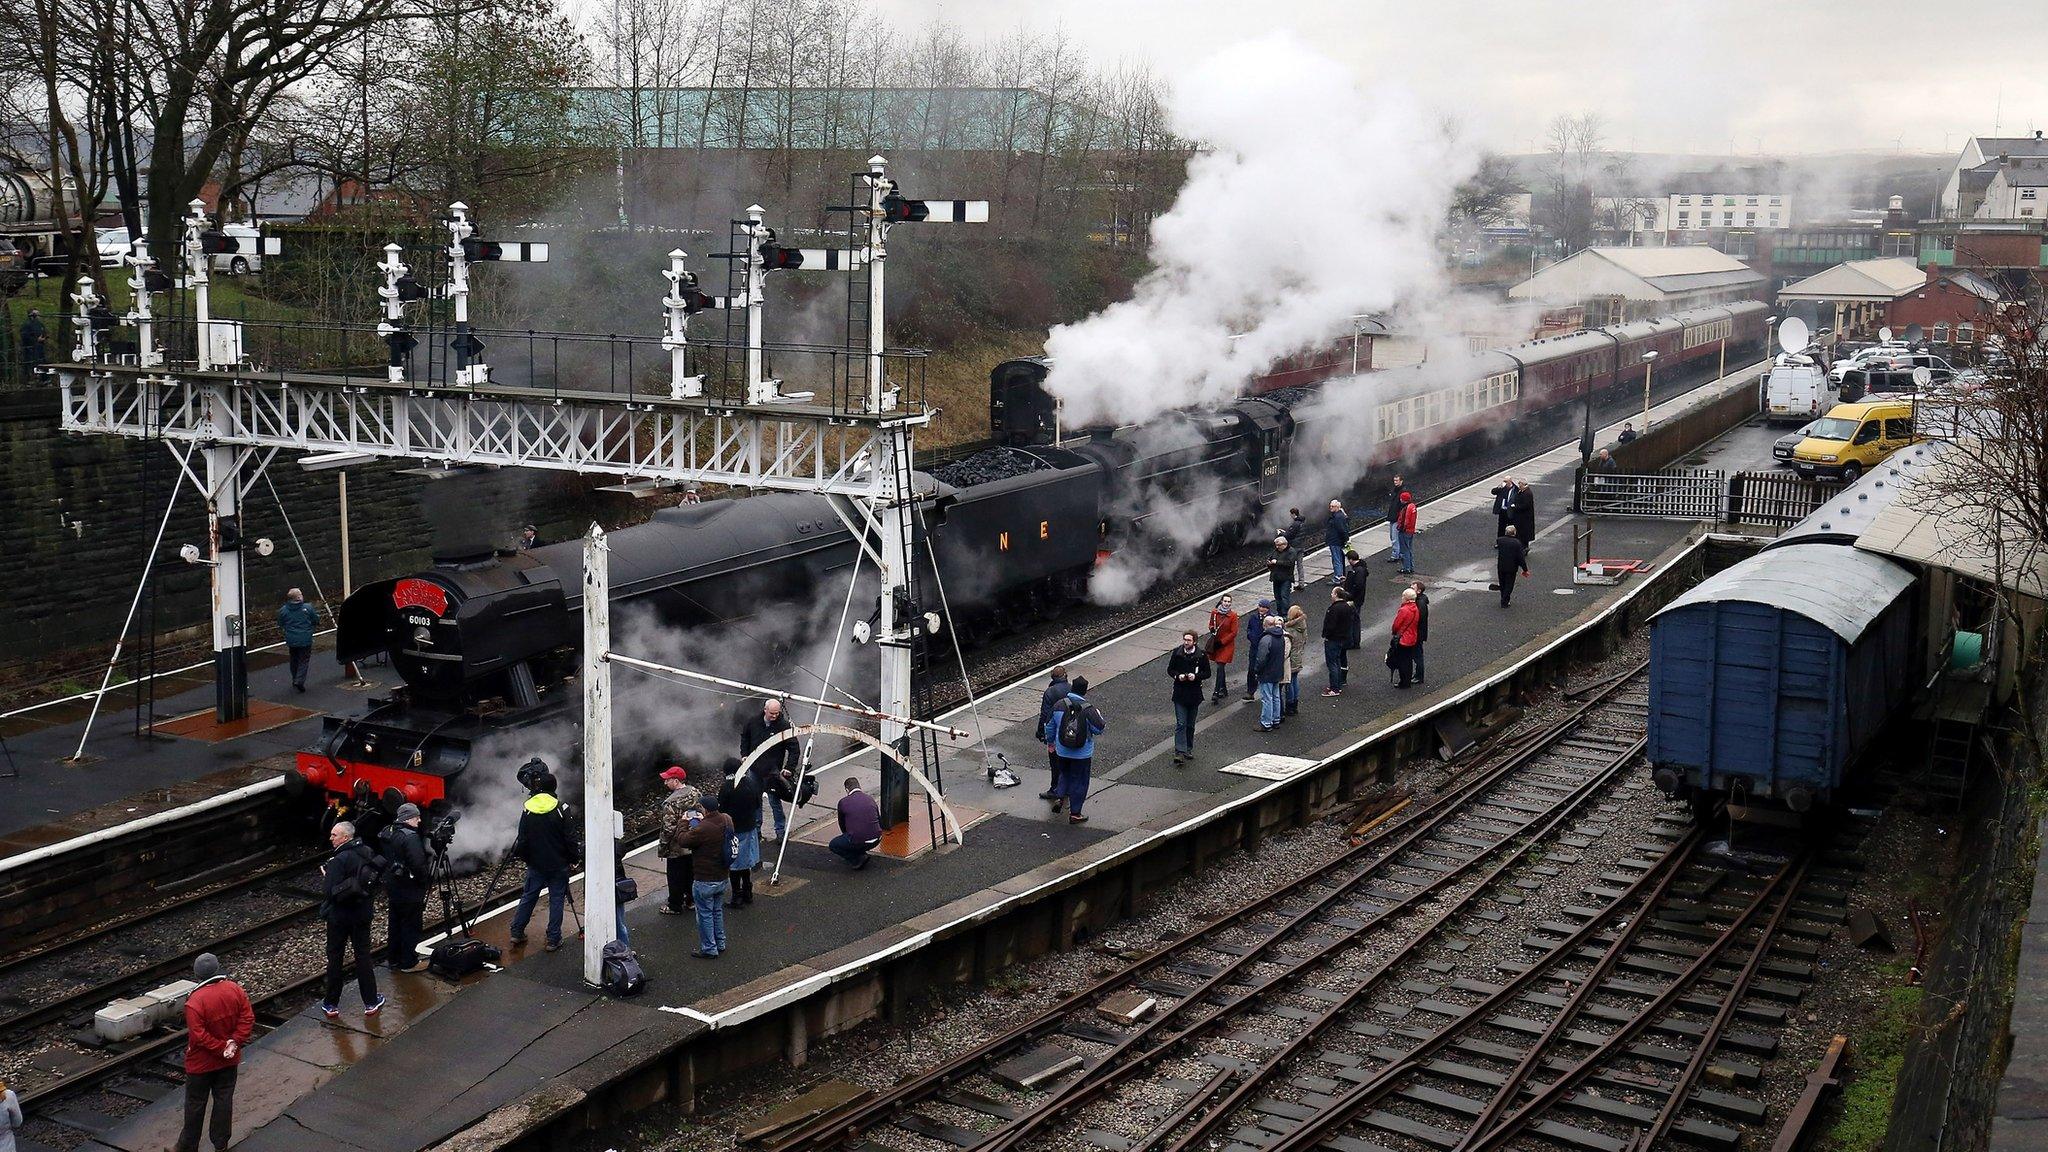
{"x": 1649, "y": 361}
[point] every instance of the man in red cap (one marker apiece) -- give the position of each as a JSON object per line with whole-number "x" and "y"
{"x": 676, "y": 807}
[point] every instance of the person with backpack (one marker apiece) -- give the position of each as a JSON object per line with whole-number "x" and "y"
{"x": 1406, "y": 525}
{"x": 740, "y": 800}
{"x": 218, "y": 1022}
{"x": 1075, "y": 725}
{"x": 1254, "y": 628}
{"x": 1187, "y": 667}
{"x": 407, "y": 880}
{"x": 1222, "y": 645}
{"x": 548, "y": 850}
{"x": 1055, "y": 692}
{"x": 713, "y": 847}
{"x": 348, "y": 904}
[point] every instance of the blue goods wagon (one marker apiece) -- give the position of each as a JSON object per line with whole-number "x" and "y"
{"x": 1769, "y": 679}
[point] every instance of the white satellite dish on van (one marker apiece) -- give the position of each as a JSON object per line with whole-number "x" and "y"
{"x": 1793, "y": 335}
{"x": 1923, "y": 376}
{"x": 1884, "y": 335}
{"x": 1915, "y": 333}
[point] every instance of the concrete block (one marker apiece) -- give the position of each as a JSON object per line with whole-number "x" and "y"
{"x": 1126, "y": 1008}
{"x": 167, "y": 1003}
{"x": 124, "y": 1020}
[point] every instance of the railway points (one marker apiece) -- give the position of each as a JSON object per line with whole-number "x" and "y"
{"x": 836, "y": 947}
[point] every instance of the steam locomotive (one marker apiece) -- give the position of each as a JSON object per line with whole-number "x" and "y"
{"x": 484, "y": 643}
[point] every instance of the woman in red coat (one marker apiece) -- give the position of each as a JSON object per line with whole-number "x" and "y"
{"x": 1407, "y": 634}
{"x": 1222, "y": 644}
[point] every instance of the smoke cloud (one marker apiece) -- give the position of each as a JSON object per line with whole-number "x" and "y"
{"x": 1316, "y": 201}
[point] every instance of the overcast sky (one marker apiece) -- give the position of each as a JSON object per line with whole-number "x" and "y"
{"x": 1692, "y": 76}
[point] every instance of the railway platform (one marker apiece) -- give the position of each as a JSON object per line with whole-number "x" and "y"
{"x": 495, "y": 1060}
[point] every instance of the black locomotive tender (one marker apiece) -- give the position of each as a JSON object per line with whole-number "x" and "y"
{"x": 484, "y": 643}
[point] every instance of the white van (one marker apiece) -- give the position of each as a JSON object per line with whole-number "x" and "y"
{"x": 1798, "y": 389}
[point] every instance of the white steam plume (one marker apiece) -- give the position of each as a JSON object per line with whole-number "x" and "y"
{"x": 1315, "y": 201}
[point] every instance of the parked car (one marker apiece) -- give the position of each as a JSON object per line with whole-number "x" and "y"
{"x": 1852, "y": 438}
{"x": 1894, "y": 375}
{"x": 1782, "y": 450}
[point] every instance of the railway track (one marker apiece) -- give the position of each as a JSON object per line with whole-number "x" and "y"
{"x": 1345, "y": 1011}
{"x": 1222, "y": 982}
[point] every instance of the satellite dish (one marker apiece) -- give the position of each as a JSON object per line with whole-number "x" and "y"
{"x": 1884, "y": 335}
{"x": 1793, "y": 334}
{"x": 1915, "y": 333}
{"x": 1923, "y": 376}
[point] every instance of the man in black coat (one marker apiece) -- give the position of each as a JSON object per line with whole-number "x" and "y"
{"x": 1355, "y": 577}
{"x": 1188, "y": 668}
{"x": 1504, "y": 500}
{"x": 547, "y": 848}
{"x": 1511, "y": 559}
{"x": 408, "y": 879}
{"x": 1055, "y": 692}
{"x": 1421, "y": 624}
{"x": 1280, "y": 573}
{"x": 348, "y": 902}
{"x": 1393, "y": 511}
{"x": 1525, "y": 513}
{"x": 1340, "y": 634}
{"x": 776, "y": 768}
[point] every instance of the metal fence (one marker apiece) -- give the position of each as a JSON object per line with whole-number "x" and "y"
{"x": 1762, "y": 498}
{"x": 1678, "y": 493}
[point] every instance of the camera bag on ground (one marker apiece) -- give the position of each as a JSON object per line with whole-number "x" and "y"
{"x": 458, "y": 956}
{"x": 619, "y": 972}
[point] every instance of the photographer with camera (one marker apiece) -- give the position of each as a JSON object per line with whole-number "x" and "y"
{"x": 547, "y": 849}
{"x": 776, "y": 769}
{"x": 408, "y": 876}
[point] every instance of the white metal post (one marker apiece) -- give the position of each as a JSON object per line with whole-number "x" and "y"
{"x": 139, "y": 264}
{"x": 460, "y": 229}
{"x": 880, "y": 396}
{"x": 394, "y": 309}
{"x": 757, "y": 390}
{"x": 1648, "y": 363}
{"x": 600, "y": 892}
{"x": 681, "y": 385}
{"x": 230, "y": 636}
{"x": 893, "y": 635}
{"x": 341, "y": 482}
{"x": 196, "y": 261}
{"x": 87, "y": 349}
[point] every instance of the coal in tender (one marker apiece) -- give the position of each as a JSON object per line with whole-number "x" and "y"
{"x": 987, "y": 466}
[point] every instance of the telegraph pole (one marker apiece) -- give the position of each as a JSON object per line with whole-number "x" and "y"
{"x": 600, "y": 822}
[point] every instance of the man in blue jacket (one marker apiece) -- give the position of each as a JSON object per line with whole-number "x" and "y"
{"x": 297, "y": 620}
{"x": 1337, "y": 534}
{"x": 1075, "y": 745}
{"x": 1269, "y": 671}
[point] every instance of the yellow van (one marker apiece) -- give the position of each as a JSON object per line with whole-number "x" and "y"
{"x": 1852, "y": 438}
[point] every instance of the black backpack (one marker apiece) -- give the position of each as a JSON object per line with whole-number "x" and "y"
{"x": 619, "y": 972}
{"x": 1073, "y": 733}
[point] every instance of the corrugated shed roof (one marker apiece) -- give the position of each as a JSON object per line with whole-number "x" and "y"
{"x": 1841, "y": 589}
{"x": 1885, "y": 279}
{"x": 1923, "y": 528}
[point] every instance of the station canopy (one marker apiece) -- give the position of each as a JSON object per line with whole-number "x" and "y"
{"x": 1880, "y": 281}
{"x": 1669, "y": 275}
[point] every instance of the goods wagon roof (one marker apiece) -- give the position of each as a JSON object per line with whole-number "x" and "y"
{"x": 1839, "y": 588}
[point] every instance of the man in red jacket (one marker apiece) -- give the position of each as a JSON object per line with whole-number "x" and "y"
{"x": 218, "y": 1021}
